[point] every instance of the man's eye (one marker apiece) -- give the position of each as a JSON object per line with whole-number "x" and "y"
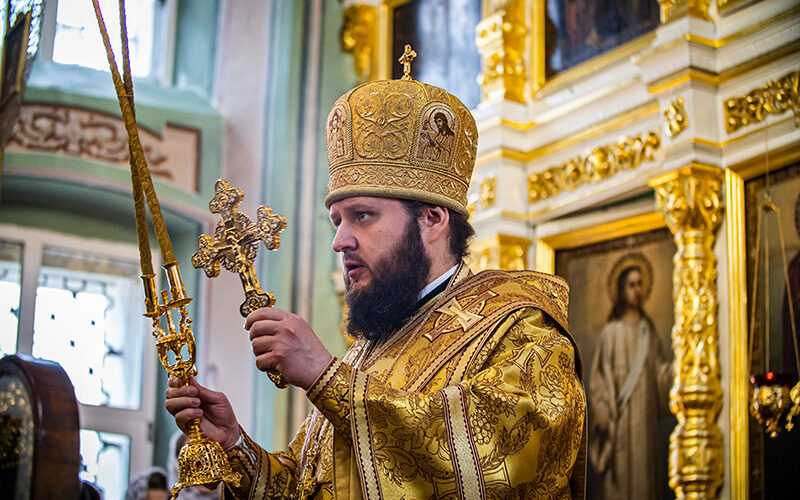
{"x": 362, "y": 215}
{"x": 336, "y": 222}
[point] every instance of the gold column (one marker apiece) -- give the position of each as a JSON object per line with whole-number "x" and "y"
{"x": 691, "y": 201}
{"x": 360, "y": 36}
{"x": 737, "y": 335}
{"x": 502, "y": 38}
{"x": 500, "y": 251}
{"x": 545, "y": 257}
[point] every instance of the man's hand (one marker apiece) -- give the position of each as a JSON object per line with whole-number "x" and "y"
{"x": 285, "y": 342}
{"x": 187, "y": 402}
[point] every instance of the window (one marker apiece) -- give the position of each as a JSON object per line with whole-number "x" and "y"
{"x": 79, "y": 302}
{"x": 74, "y": 38}
{"x": 77, "y": 39}
{"x": 85, "y": 315}
{"x": 10, "y": 277}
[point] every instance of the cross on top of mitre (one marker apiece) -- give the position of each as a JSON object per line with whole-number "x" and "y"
{"x": 405, "y": 60}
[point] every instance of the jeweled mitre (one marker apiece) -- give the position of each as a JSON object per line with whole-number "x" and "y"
{"x": 401, "y": 139}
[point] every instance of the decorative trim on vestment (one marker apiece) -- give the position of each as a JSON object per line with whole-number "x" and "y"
{"x": 323, "y": 379}
{"x": 362, "y": 442}
{"x": 265, "y": 475}
{"x": 472, "y": 307}
{"x": 463, "y": 455}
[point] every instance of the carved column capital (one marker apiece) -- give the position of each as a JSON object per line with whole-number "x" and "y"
{"x": 502, "y": 39}
{"x": 673, "y": 9}
{"x": 691, "y": 198}
{"x": 691, "y": 201}
{"x": 500, "y": 251}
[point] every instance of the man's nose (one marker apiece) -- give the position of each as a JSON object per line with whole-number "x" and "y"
{"x": 343, "y": 239}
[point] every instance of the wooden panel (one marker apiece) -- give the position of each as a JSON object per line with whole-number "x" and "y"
{"x": 45, "y": 449}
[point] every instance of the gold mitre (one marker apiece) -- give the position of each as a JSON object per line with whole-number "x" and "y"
{"x": 401, "y": 139}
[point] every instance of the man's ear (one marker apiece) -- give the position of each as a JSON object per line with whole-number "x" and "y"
{"x": 434, "y": 222}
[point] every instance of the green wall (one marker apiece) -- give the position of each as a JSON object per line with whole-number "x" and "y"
{"x": 74, "y": 196}
{"x": 288, "y": 87}
{"x": 90, "y": 198}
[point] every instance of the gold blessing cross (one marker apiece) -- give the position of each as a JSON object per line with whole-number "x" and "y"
{"x": 405, "y": 59}
{"x": 235, "y": 245}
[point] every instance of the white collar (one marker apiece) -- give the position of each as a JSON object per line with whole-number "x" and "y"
{"x": 438, "y": 281}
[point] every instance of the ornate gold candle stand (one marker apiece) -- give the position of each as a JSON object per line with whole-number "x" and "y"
{"x": 771, "y": 400}
{"x": 773, "y": 394}
{"x": 201, "y": 461}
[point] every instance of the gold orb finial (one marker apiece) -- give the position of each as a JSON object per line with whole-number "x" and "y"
{"x": 405, "y": 60}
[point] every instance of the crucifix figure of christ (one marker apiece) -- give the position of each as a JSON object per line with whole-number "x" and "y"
{"x": 235, "y": 245}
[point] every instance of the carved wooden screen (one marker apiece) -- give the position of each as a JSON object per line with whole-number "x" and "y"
{"x": 39, "y": 457}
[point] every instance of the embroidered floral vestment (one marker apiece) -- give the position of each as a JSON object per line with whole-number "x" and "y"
{"x": 478, "y": 396}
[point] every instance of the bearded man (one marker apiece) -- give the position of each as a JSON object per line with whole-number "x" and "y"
{"x": 458, "y": 385}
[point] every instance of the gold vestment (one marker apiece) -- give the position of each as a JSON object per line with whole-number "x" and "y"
{"x": 478, "y": 395}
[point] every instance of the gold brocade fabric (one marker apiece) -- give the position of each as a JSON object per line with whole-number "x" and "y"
{"x": 477, "y": 396}
{"x": 401, "y": 139}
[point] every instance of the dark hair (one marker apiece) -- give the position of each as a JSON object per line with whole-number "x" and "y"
{"x": 460, "y": 229}
{"x": 446, "y": 129}
{"x": 620, "y": 305}
{"x": 89, "y": 491}
{"x": 157, "y": 481}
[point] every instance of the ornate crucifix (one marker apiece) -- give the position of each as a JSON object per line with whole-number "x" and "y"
{"x": 235, "y": 245}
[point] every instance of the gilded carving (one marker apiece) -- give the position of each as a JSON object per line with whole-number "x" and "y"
{"x": 774, "y": 97}
{"x": 601, "y": 163}
{"x": 724, "y": 5}
{"x": 359, "y": 37}
{"x": 673, "y": 9}
{"x": 691, "y": 201}
{"x": 488, "y": 192}
{"x": 501, "y": 38}
{"x": 675, "y": 118}
{"x": 501, "y": 251}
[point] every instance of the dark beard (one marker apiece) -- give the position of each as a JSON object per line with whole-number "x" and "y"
{"x": 379, "y": 309}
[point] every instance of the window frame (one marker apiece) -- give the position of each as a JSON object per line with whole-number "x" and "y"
{"x": 164, "y": 34}
{"x": 136, "y": 424}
